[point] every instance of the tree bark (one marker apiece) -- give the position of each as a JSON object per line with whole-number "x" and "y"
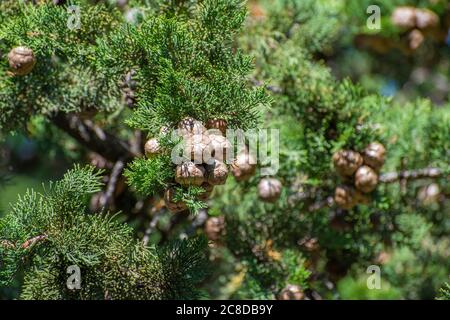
{"x": 93, "y": 137}
{"x": 411, "y": 175}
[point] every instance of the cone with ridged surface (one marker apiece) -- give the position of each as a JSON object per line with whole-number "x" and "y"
{"x": 291, "y": 292}
{"x": 190, "y": 174}
{"x": 366, "y": 179}
{"x": 244, "y": 166}
{"x": 345, "y": 197}
{"x": 216, "y": 173}
{"x": 21, "y": 60}
{"x": 374, "y": 155}
{"x": 171, "y": 204}
{"x": 215, "y": 228}
{"x": 152, "y": 148}
{"x": 190, "y": 126}
{"x": 346, "y": 162}
{"x": 216, "y": 123}
{"x": 404, "y": 17}
{"x": 269, "y": 189}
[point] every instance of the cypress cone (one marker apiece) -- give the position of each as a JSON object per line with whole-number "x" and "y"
{"x": 216, "y": 173}
{"x": 152, "y": 148}
{"x": 189, "y": 173}
{"x": 244, "y": 166}
{"x": 216, "y": 123}
{"x": 171, "y": 204}
{"x": 21, "y": 60}
{"x": 374, "y": 155}
{"x": 347, "y": 162}
{"x": 215, "y": 228}
{"x": 269, "y": 189}
{"x": 366, "y": 179}
{"x": 291, "y": 292}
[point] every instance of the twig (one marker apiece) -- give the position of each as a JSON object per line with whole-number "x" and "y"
{"x": 411, "y": 175}
{"x": 197, "y": 222}
{"x": 112, "y": 183}
{"x": 389, "y": 177}
{"x": 33, "y": 241}
{"x": 30, "y": 242}
{"x": 152, "y": 226}
{"x": 136, "y": 142}
{"x": 93, "y": 137}
{"x": 403, "y": 183}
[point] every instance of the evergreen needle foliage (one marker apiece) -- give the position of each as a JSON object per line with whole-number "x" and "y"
{"x": 131, "y": 72}
{"x": 320, "y": 115}
{"x": 46, "y": 233}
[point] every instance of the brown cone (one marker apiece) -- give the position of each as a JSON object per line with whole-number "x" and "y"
{"x": 374, "y": 155}
{"x": 217, "y": 173}
{"x": 269, "y": 189}
{"x": 366, "y": 179}
{"x": 404, "y": 17}
{"x": 152, "y": 148}
{"x": 171, "y": 204}
{"x": 215, "y": 228}
{"x": 190, "y": 126}
{"x": 347, "y": 162}
{"x": 218, "y": 146}
{"x": 189, "y": 173}
{"x": 197, "y": 148}
{"x": 291, "y": 292}
{"x": 426, "y": 19}
{"x": 244, "y": 166}
{"x": 219, "y": 124}
{"x": 21, "y": 60}
{"x": 345, "y": 197}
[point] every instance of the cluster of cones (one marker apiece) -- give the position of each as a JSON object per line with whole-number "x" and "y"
{"x": 205, "y": 148}
{"x": 414, "y": 24}
{"x": 359, "y": 172}
{"x": 416, "y": 21}
{"x": 410, "y": 17}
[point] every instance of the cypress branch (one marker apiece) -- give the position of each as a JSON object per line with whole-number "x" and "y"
{"x": 93, "y": 137}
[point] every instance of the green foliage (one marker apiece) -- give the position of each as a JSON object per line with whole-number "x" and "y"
{"x": 414, "y": 278}
{"x": 189, "y": 195}
{"x": 422, "y": 123}
{"x": 196, "y": 59}
{"x": 148, "y": 176}
{"x": 251, "y": 289}
{"x": 313, "y": 24}
{"x": 187, "y": 66}
{"x": 183, "y": 54}
{"x": 331, "y": 114}
{"x": 317, "y": 115}
{"x": 61, "y": 80}
{"x": 298, "y": 274}
{"x": 444, "y": 292}
{"x": 183, "y": 267}
{"x": 113, "y": 265}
